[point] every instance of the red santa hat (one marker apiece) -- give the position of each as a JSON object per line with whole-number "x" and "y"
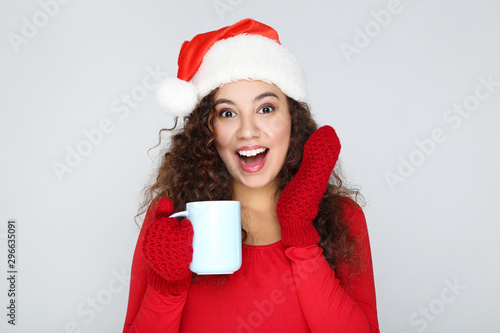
{"x": 246, "y": 50}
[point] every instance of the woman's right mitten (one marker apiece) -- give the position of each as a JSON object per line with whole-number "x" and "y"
{"x": 168, "y": 247}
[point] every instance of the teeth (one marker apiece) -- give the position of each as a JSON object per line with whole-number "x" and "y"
{"x": 251, "y": 152}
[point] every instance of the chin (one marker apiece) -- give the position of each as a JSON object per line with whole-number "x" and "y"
{"x": 258, "y": 182}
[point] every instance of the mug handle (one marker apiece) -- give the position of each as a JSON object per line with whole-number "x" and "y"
{"x": 180, "y": 214}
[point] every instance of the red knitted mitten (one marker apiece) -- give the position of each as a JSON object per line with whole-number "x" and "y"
{"x": 168, "y": 248}
{"x": 299, "y": 202}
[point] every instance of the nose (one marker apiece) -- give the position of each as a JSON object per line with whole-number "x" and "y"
{"x": 248, "y": 127}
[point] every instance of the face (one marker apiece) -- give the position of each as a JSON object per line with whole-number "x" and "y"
{"x": 252, "y": 131}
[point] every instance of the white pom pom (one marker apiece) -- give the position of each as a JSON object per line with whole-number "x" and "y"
{"x": 177, "y": 97}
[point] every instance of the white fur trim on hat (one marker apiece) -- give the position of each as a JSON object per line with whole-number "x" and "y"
{"x": 251, "y": 57}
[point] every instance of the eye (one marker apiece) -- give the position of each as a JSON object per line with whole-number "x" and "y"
{"x": 226, "y": 113}
{"x": 265, "y": 109}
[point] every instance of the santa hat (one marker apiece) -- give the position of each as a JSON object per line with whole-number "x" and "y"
{"x": 246, "y": 50}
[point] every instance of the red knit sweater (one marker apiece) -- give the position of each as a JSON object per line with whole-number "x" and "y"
{"x": 277, "y": 289}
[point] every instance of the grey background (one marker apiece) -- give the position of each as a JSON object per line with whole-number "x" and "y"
{"x": 434, "y": 229}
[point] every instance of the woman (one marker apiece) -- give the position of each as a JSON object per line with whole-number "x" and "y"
{"x": 249, "y": 136}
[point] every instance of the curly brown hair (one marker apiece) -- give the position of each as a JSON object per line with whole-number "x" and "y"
{"x": 191, "y": 170}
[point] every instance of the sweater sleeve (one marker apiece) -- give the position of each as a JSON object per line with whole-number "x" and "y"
{"x": 327, "y": 305}
{"x": 149, "y": 310}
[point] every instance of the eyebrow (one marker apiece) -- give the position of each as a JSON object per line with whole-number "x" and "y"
{"x": 256, "y": 99}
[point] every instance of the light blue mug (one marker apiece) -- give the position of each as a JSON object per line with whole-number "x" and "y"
{"x": 217, "y": 236}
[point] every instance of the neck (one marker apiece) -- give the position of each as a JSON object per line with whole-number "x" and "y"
{"x": 262, "y": 197}
{"x": 258, "y": 213}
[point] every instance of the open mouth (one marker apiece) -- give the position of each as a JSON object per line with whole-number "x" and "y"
{"x": 252, "y": 158}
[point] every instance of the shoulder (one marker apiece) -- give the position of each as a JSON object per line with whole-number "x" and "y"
{"x": 148, "y": 219}
{"x": 355, "y": 220}
{"x": 354, "y": 217}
